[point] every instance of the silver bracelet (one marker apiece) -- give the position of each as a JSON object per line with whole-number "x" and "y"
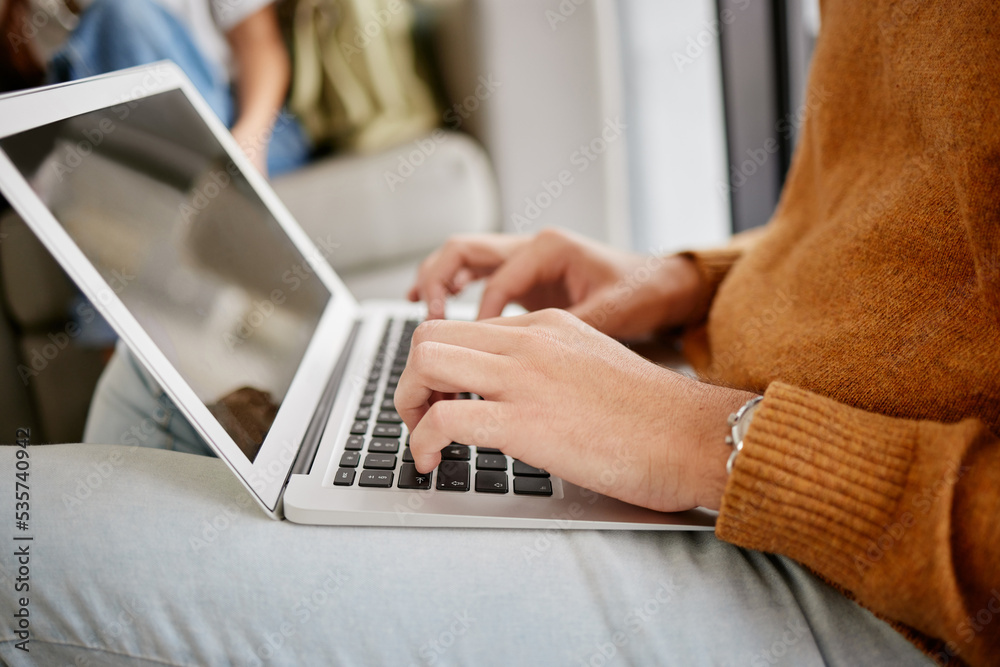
{"x": 739, "y": 421}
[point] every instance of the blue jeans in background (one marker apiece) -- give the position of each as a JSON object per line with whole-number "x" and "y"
{"x": 117, "y": 34}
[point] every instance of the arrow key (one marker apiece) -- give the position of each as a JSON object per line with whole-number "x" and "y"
{"x": 490, "y": 481}
{"x": 453, "y": 476}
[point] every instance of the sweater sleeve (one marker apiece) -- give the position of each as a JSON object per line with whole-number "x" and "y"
{"x": 902, "y": 514}
{"x": 714, "y": 265}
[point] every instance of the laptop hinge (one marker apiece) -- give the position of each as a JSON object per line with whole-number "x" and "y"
{"x": 310, "y": 442}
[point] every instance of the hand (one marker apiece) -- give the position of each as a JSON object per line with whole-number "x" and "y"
{"x": 254, "y": 142}
{"x": 624, "y": 295}
{"x": 561, "y": 396}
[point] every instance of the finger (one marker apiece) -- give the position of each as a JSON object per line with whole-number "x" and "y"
{"x": 467, "y": 422}
{"x": 445, "y": 368}
{"x": 488, "y": 337}
{"x": 479, "y": 254}
{"x": 533, "y": 265}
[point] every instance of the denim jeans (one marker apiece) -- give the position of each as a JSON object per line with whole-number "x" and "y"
{"x": 149, "y": 557}
{"x": 116, "y": 34}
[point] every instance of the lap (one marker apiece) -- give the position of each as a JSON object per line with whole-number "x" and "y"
{"x": 148, "y": 555}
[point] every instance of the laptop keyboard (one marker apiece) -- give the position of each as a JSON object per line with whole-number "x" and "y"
{"x": 377, "y": 451}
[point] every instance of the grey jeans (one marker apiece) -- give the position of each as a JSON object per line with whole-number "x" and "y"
{"x": 141, "y": 556}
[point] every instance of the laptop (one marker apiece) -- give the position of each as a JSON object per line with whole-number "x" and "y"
{"x": 149, "y": 205}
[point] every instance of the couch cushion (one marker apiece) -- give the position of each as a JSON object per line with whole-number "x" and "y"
{"x": 397, "y": 204}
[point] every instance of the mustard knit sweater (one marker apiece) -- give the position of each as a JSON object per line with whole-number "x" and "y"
{"x": 868, "y": 311}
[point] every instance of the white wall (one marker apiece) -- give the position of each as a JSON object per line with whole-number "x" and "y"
{"x": 677, "y": 147}
{"x": 571, "y": 70}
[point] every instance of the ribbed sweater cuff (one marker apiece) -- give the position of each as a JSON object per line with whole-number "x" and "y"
{"x": 817, "y": 481}
{"x": 713, "y": 266}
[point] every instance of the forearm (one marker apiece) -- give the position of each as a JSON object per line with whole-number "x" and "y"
{"x": 899, "y": 512}
{"x": 263, "y": 75}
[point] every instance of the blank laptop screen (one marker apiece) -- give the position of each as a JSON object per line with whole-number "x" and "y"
{"x": 150, "y": 196}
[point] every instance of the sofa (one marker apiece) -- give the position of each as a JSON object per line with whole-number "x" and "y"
{"x": 496, "y": 151}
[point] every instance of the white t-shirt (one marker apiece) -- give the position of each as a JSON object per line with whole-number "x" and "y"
{"x": 208, "y": 21}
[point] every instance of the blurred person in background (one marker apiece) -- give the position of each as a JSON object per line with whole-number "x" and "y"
{"x": 232, "y": 50}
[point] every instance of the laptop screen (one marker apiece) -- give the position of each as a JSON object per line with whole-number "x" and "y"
{"x": 150, "y": 197}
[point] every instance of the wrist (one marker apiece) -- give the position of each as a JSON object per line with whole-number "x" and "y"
{"x": 682, "y": 288}
{"x": 711, "y": 427}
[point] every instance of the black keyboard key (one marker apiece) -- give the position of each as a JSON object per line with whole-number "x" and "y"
{"x": 344, "y": 477}
{"x": 393, "y": 380}
{"x": 359, "y": 428}
{"x": 491, "y": 462}
{"x": 455, "y": 452}
{"x": 390, "y": 393}
{"x": 371, "y": 387}
{"x": 487, "y": 450}
{"x": 407, "y": 456}
{"x": 522, "y": 468}
{"x": 350, "y": 459}
{"x": 355, "y": 443}
{"x": 489, "y": 481}
{"x": 380, "y": 462}
{"x": 389, "y": 417}
{"x": 453, "y": 476}
{"x": 398, "y": 368}
{"x": 387, "y": 431}
{"x": 377, "y": 478}
{"x": 383, "y": 446}
{"x": 409, "y": 478}
{"x": 388, "y": 404}
{"x": 532, "y": 486}
{"x": 367, "y": 400}
{"x": 364, "y": 414}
